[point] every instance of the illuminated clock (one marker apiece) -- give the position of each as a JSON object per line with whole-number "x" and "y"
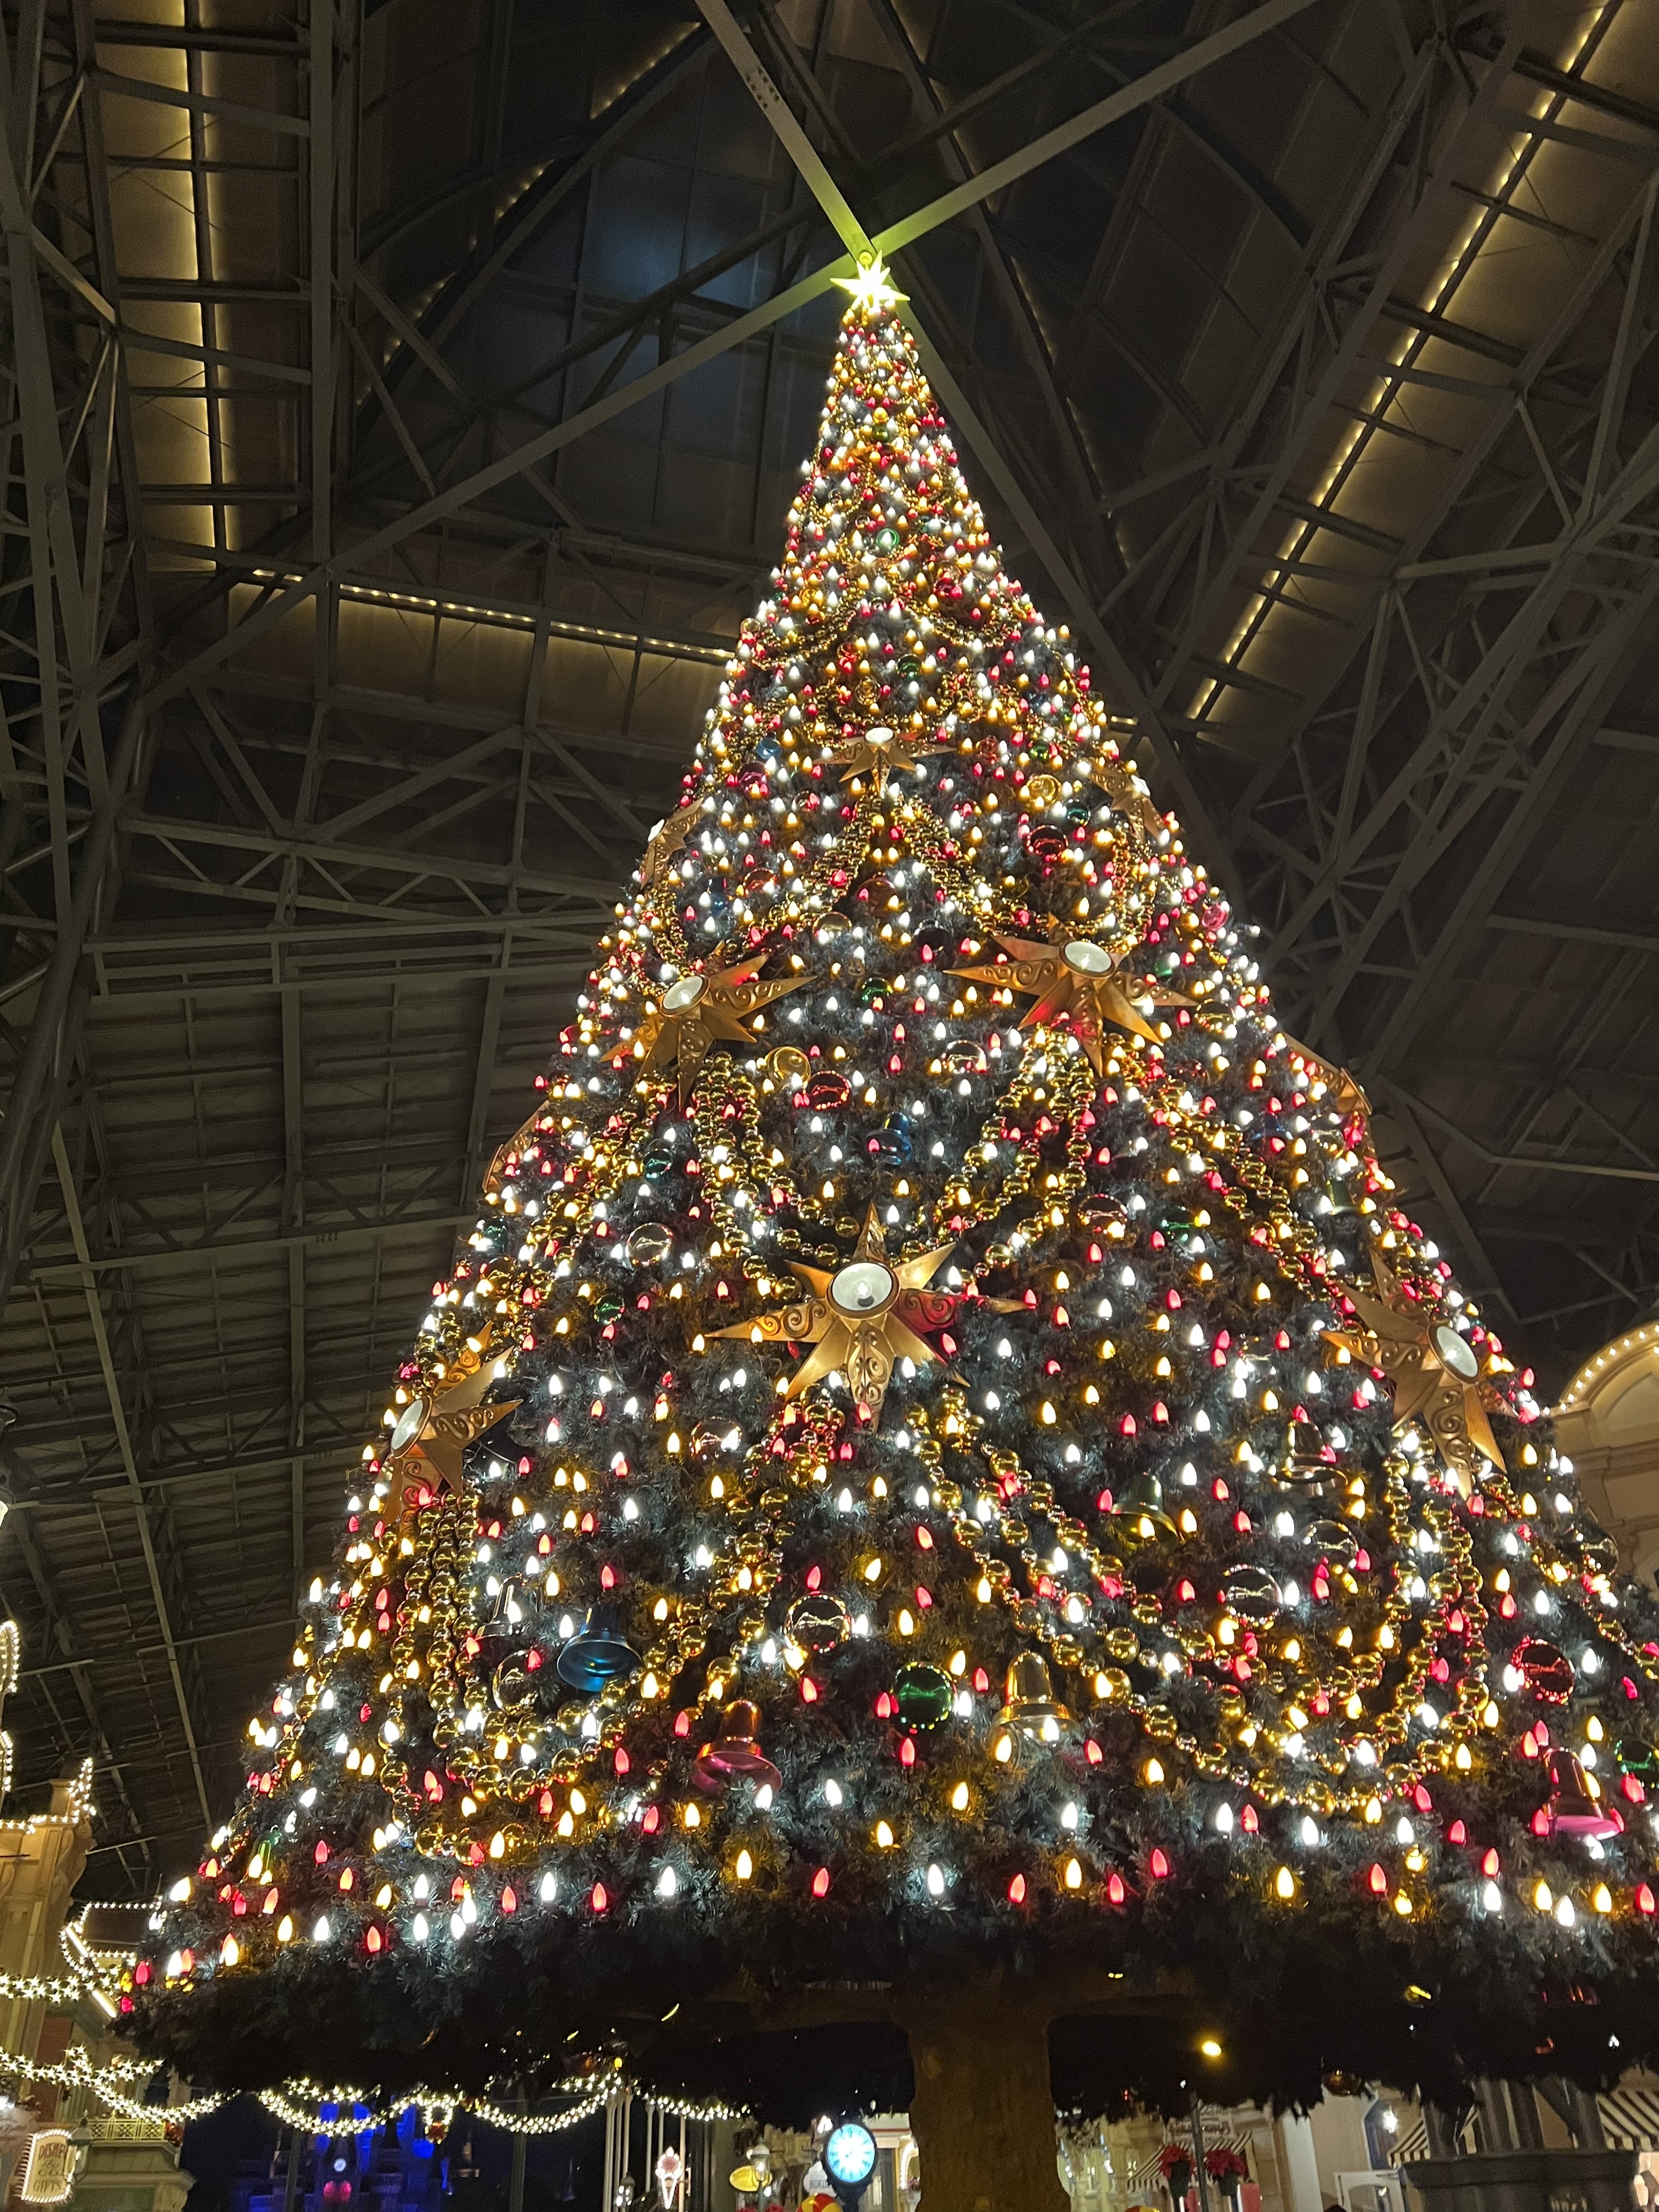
{"x": 849, "y": 2156}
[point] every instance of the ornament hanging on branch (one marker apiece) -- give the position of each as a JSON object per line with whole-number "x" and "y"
{"x": 863, "y": 1317}
{"x": 1435, "y": 1371}
{"x": 1079, "y": 980}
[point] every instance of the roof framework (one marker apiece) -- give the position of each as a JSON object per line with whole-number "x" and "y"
{"x": 399, "y": 407}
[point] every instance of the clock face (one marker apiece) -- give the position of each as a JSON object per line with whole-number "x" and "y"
{"x": 850, "y": 2153}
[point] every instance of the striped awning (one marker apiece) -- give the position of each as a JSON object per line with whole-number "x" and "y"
{"x": 1630, "y": 2121}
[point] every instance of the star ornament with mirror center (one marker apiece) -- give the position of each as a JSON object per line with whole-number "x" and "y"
{"x": 863, "y": 1317}
{"x": 701, "y": 1011}
{"x": 1084, "y": 981}
{"x": 878, "y": 754}
{"x": 1435, "y": 1372}
{"x": 434, "y": 1428}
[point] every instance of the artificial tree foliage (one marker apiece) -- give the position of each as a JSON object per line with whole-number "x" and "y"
{"x": 947, "y": 1538}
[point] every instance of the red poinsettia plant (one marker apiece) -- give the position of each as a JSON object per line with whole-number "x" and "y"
{"x": 1175, "y": 2164}
{"x": 1224, "y": 2164}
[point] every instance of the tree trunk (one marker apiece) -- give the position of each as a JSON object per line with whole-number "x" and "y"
{"x": 983, "y": 2113}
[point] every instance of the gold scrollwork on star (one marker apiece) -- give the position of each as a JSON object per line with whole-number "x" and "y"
{"x": 878, "y": 754}
{"x": 434, "y": 1428}
{"x": 701, "y": 1011}
{"x": 863, "y": 1317}
{"x": 1435, "y": 1372}
{"x": 667, "y": 838}
{"x": 1085, "y": 981}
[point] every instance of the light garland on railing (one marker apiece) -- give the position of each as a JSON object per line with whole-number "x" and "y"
{"x": 42, "y": 1989}
{"x": 77, "y": 2070}
{"x": 315, "y": 2110}
{"x": 309, "y": 2105}
{"x": 437, "y": 2110}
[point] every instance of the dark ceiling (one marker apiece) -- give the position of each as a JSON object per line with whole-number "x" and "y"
{"x": 357, "y": 625}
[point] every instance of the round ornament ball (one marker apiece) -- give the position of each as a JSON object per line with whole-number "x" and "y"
{"x": 922, "y": 1694}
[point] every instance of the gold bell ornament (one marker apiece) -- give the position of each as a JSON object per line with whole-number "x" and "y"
{"x": 1032, "y": 1705}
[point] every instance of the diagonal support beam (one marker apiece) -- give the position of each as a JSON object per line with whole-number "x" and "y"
{"x": 129, "y": 1461}
{"x": 1125, "y": 101}
{"x": 1079, "y": 600}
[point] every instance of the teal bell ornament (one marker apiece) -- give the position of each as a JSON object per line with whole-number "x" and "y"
{"x": 598, "y": 1654}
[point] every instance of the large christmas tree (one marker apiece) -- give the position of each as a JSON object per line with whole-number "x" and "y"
{"x": 945, "y": 1520}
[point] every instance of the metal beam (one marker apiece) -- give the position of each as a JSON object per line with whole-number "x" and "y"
{"x": 913, "y": 227}
{"x": 124, "y": 1440}
{"x": 1078, "y": 601}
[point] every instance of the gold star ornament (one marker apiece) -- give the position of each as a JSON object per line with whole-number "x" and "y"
{"x": 433, "y": 1431}
{"x": 667, "y": 838}
{"x": 1347, "y": 1095}
{"x": 878, "y": 754}
{"x": 863, "y": 1317}
{"x": 1118, "y": 780}
{"x": 872, "y": 288}
{"x": 1081, "y": 980}
{"x": 1435, "y": 1372}
{"x": 699, "y": 1012}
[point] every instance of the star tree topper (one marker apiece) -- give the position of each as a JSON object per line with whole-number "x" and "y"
{"x": 1075, "y": 976}
{"x": 863, "y": 1316}
{"x": 1434, "y": 1370}
{"x": 699, "y": 1012}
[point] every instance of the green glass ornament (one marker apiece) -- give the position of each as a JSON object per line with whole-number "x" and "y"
{"x": 922, "y": 1694}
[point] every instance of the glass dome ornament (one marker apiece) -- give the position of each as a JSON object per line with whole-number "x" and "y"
{"x": 1031, "y": 1706}
{"x": 817, "y": 1622}
{"x": 598, "y": 1654}
{"x": 735, "y": 1755}
{"x": 922, "y": 1694}
{"x": 1333, "y": 1541}
{"x": 1251, "y": 1592}
{"x": 1545, "y": 1668}
{"x": 649, "y": 1245}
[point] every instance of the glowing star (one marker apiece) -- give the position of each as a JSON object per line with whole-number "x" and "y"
{"x": 863, "y": 1316}
{"x": 1434, "y": 1370}
{"x": 872, "y": 289}
{"x": 435, "y": 1430}
{"x": 879, "y": 753}
{"x": 700, "y": 1011}
{"x": 1078, "y": 978}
